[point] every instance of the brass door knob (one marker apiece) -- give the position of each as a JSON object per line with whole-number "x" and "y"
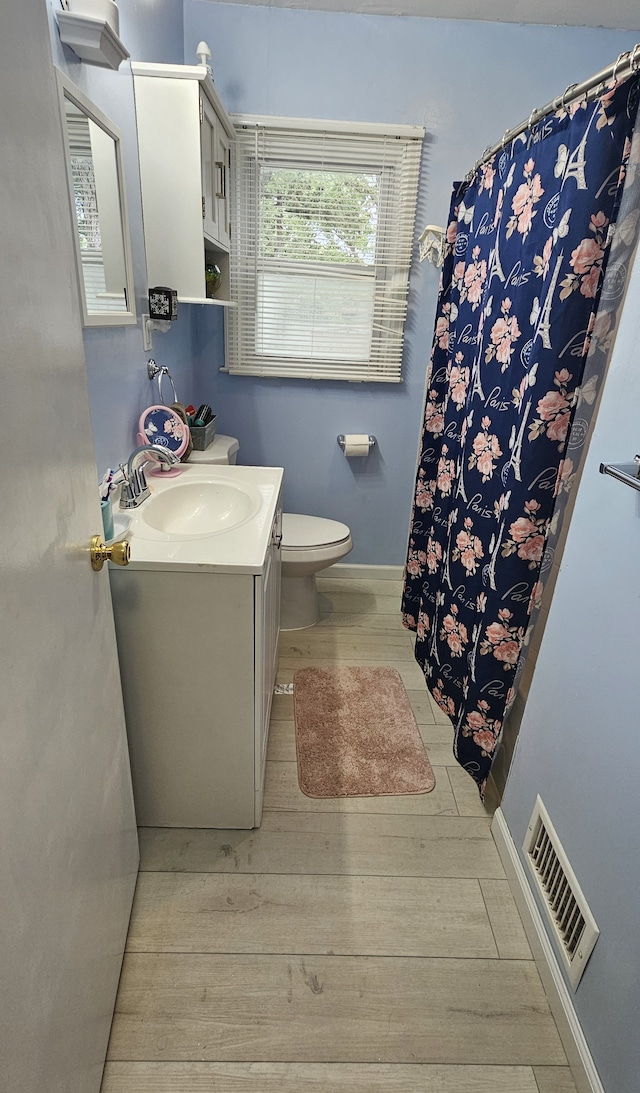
{"x": 119, "y": 552}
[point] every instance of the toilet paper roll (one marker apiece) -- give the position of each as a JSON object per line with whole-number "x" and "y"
{"x": 356, "y": 444}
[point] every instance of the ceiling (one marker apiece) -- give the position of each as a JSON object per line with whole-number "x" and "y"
{"x": 617, "y": 14}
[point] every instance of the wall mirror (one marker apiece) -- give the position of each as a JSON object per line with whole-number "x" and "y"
{"x": 96, "y": 188}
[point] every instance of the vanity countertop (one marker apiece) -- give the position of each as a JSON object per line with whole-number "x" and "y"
{"x": 240, "y": 549}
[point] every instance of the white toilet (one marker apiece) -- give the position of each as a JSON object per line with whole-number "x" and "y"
{"x": 309, "y": 544}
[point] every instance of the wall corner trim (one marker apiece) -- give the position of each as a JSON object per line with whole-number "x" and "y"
{"x": 560, "y": 1001}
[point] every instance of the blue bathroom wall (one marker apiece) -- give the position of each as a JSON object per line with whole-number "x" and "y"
{"x": 119, "y": 388}
{"x": 153, "y": 30}
{"x": 578, "y": 742}
{"x": 465, "y": 82}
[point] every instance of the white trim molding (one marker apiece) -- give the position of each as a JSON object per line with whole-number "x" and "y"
{"x": 325, "y": 125}
{"x": 364, "y": 572}
{"x": 618, "y": 14}
{"x": 573, "y": 1039}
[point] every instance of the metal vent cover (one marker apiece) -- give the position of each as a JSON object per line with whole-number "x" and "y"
{"x": 573, "y": 925}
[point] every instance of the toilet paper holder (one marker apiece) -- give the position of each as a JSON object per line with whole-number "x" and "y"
{"x": 342, "y": 441}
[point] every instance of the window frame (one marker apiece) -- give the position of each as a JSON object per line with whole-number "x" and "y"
{"x": 392, "y": 154}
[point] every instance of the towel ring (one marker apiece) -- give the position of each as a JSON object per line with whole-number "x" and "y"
{"x": 154, "y": 370}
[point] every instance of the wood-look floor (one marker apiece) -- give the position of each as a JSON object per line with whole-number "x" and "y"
{"x": 368, "y": 945}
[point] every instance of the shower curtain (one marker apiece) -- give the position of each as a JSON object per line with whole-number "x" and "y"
{"x": 524, "y": 321}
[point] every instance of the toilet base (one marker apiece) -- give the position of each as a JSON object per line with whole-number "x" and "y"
{"x": 299, "y": 605}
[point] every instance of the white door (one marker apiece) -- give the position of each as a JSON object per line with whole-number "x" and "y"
{"x": 68, "y": 848}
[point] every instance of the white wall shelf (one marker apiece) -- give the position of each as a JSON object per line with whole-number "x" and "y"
{"x": 198, "y": 300}
{"x": 93, "y": 40}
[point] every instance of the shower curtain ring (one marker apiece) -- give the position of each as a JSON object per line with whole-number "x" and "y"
{"x": 530, "y": 122}
{"x": 504, "y": 138}
{"x": 567, "y": 91}
{"x": 635, "y": 61}
{"x": 622, "y": 57}
{"x": 478, "y": 164}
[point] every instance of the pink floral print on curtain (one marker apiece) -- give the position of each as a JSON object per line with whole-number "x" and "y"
{"x": 520, "y": 310}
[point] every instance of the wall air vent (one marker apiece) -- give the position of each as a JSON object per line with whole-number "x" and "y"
{"x": 572, "y": 923}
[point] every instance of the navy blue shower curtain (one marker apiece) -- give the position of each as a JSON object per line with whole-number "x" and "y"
{"x": 529, "y": 240}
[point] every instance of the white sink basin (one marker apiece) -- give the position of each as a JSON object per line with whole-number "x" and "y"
{"x": 208, "y": 518}
{"x": 197, "y": 509}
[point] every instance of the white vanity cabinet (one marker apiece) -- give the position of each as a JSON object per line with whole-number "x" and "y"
{"x": 184, "y": 147}
{"x": 198, "y": 656}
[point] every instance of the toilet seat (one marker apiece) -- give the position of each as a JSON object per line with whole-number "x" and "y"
{"x": 311, "y": 532}
{"x": 309, "y": 544}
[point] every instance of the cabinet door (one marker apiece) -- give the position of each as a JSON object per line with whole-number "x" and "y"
{"x": 216, "y": 162}
{"x": 222, "y": 178}
{"x": 267, "y": 639}
{"x": 209, "y": 126}
{"x": 169, "y": 148}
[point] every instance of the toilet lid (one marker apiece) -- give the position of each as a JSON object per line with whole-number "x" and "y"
{"x": 220, "y": 451}
{"x": 300, "y": 532}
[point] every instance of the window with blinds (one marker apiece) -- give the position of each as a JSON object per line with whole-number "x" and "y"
{"x": 323, "y": 225}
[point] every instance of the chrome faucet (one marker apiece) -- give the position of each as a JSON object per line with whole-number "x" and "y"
{"x": 134, "y": 485}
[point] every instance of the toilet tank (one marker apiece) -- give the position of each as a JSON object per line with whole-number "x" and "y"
{"x": 223, "y": 449}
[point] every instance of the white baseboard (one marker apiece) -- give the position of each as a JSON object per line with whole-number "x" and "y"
{"x": 575, "y": 1045}
{"x": 366, "y": 572}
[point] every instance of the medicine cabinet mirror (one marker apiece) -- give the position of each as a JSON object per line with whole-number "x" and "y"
{"x": 96, "y": 188}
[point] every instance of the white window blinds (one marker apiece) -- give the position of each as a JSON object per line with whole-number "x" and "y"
{"x": 322, "y": 239}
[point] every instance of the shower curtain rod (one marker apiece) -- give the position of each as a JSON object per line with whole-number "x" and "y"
{"x": 627, "y": 63}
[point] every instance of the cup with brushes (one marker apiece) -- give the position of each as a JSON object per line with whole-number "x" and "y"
{"x": 202, "y": 423}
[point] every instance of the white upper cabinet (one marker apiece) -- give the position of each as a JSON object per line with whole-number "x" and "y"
{"x": 184, "y": 145}
{"x": 216, "y": 166}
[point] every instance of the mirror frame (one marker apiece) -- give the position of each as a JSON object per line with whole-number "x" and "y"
{"x": 68, "y": 90}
